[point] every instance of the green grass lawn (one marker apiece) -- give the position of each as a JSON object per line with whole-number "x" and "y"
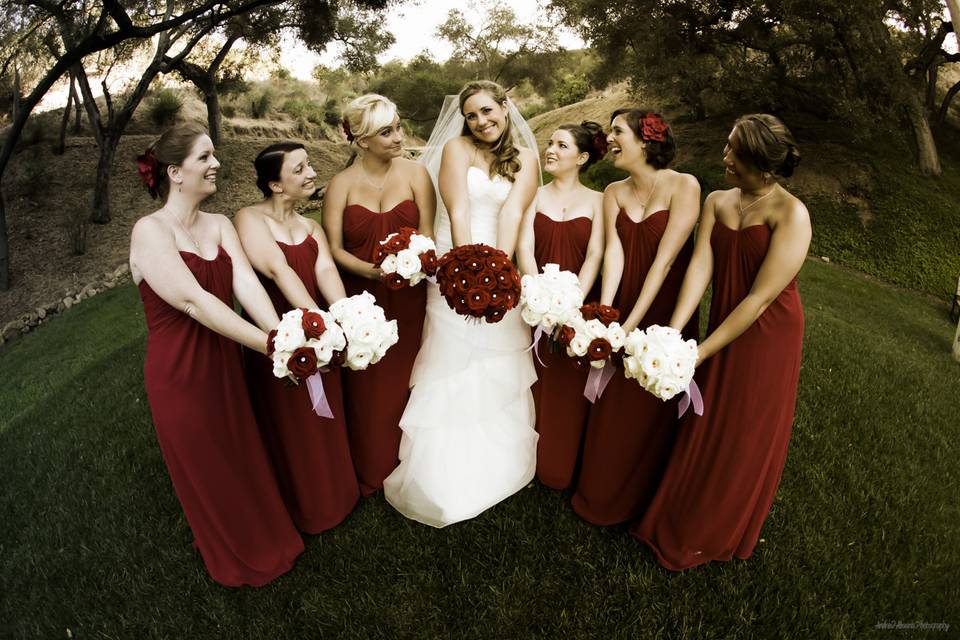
{"x": 864, "y": 529}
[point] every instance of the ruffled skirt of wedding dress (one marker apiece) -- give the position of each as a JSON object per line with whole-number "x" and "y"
{"x": 468, "y": 429}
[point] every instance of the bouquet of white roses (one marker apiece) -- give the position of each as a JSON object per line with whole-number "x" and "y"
{"x": 369, "y": 334}
{"x": 660, "y": 360}
{"x": 551, "y": 298}
{"x": 305, "y": 341}
{"x": 406, "y": 257}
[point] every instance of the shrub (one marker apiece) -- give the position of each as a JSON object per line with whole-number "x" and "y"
{"x": 228, "y": 110}
{"x": 260, "y": 103}
{"x": 570, "y": 89}
{"x": 164, "y": 107}
{"x": 331, "y": 112}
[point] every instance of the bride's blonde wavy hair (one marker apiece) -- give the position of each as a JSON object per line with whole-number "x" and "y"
{"x": 506, "y": 157}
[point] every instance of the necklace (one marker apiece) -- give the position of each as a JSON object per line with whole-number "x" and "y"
{"x": 644, "y": 203}
{"x": 563, "y": 197}
{"x": 184, "y": 229}
{"x": 366, "y": 176}
{"x": 740, "y": 199}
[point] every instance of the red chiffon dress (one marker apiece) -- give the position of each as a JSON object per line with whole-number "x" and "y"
{"x": 376, "y": 397}
{"x": 311, "y": 454}
{"x": 724, "y": 470}
{"x": 630, "y": 432}
{"x": 562, "y": 409}
{"x": 209, "y": 439}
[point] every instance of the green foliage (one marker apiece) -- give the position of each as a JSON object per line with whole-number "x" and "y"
{"x": 260, "y": 102}
{"x": 280, "y": 73}
{"x": 94, "y": 540}
{"x": 164, "y": 107}
{"x": 570, "y": 89}
{"x": 418, "y": 89}
{"x": 331, "y": 112}
{"x": 228, "y": 110}
{"x": 303, "y": 109}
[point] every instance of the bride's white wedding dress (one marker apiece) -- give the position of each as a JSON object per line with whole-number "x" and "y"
{"x": 468, "y": 429}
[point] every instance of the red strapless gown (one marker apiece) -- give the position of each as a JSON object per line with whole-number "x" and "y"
{"x": 630, "y": 432}
{"x": 562, "y": 409}
{"x": 209, "y": 438}
{"x": 723, "y": 473}
{"x": 376, "y": 397}
{"x": 311, "y": 454}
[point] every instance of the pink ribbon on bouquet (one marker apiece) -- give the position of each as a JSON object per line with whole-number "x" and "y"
{"x": 692, "y": 393}
{"x": 597, "y": 381}
{"x": 536, "y": 344}
{"x": 318, "y": 397}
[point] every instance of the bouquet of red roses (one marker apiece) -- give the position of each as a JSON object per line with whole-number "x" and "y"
{"x": 479, "y": 281}
{"x": 406, "y": 258}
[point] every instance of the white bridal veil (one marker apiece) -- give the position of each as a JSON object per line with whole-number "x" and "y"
{"x": 450, "y": 125}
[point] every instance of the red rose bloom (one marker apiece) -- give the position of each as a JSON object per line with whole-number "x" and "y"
{"x": 428, "y": 260}
{"x": 460, "y": 305}
{"x": 565, "y": 334}
{"x": 478, "y": 300}
{"x": 599, "y": 349}
{"x": 487, "y": 279}
{"x": 271, "y": 347}
{"x": 653, "y": 128}
{"x": 313, "y": 325}
{"x": 395, "y": 281}
{"x": 338, "y": 358}
{"x": 147, "y": 168}
{"x": 378, "y": 255}
{"x": 303, "y": 362}
{"x": 606, "y": 315}
{"x": 396, "y": 244}
{"x": 493, "y": 314}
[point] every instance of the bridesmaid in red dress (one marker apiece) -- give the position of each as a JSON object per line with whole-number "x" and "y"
{"x": 564, "y": 226}
{"x": 189, "y": 265}
{"x": 723, "y": 474}
{"x": 649, "y": 219}
{"x": 373, "y": 197}
{"x": 310, "y": 453}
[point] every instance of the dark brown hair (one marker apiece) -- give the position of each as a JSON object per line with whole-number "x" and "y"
{"x": 764, "y": 141}
{"x": 171, "y": 149}
{"x": 269, "y": 162}
{"x": 506, "y": 157}
{"x": 659, "y": 153}
{"x": 589, "y": 138}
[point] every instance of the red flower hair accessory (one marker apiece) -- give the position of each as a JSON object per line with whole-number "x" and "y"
{"x": 147, "y": 165}
{"x": 653, "y": 128}
{"x": 346, "y": 129}
{"x": 600, "y": 144}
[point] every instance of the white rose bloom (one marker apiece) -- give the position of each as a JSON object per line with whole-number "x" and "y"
{"x": 595, "y": 329}
{"x": 615, "y": 336}
{"x": 359, "y": 358}
{"x": 421, "y": 244}
{"x": 579, "y": 345}
{"x": 538, "y": 303}
{"x": 651, "y": 364}
{"x": 288, "y": 338}
{"x": 529, "y": 316}
{"x": 407, "y": 263}
{"x": 631, "y": 367}
{"x": 551, "y": 269}
{"x": 389, "y": 264}
{"x": 416, "y": 278}
{"x": 280, "y": 369}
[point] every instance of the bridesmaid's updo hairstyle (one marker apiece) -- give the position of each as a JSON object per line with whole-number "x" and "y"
{"x": 654, "y": 131}
{"x": 766, "y": 142}
{"x": 506, "y": 157}
{"x": 269, "y": 162}
{"x": 366, "y": 115}
{"x": 590, "y": 139}
{"x": 170, "y": 150}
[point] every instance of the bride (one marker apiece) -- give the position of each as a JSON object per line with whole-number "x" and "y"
{"x": 468, "y": 429}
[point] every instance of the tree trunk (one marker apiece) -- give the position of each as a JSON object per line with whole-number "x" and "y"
{"x": 945, "y": 105}
{"x": 77, "y": 106}
{"x": 4, "y": 248}
{"x": 64, "y": 121}
{"x": 927, "y": 157}
{"x": 101, "y": 188}
{"x": 956, "y": 344}
{"x": 214, "y": 117}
